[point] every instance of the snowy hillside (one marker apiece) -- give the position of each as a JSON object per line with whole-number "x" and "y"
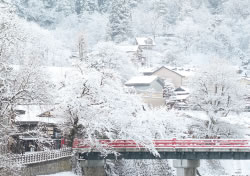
{"x": 183, "y": 29}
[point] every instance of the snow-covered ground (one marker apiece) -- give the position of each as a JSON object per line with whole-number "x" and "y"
{"x": 61, "y": 174}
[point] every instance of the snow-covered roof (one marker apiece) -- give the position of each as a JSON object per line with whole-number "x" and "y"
{"x": 181, "y": 90}
{"x": 129, "y": 48}
{"x": 147, "y": 70}
{"x": 168, "y": 68}
{"x": 246, "y": 78}
{"x": 141, "y": 80}
{"x": 182, "y": 97}
{"x": 32, "y": 113}
{"x": 145, "y": 41}
{"x": 184, "y": 72}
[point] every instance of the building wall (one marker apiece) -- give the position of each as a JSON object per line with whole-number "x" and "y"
{"x": 48, "y": 167}
{"x": 155, "y": 86}
{"x": 153, "y": 99}
{"x": 166, "y": 74}
{"x": 152, "y": 94}
{"x": 245, "y": 82}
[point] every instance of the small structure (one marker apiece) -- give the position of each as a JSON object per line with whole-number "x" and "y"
{"x": 181, "y": 91}
{"x": 167, "y": 74}
{"x": 181, "y": 98}
{"x": 175, "y": 98}
{"x": 150, "y": 88}
{"x": 29, "y": 119}
{"x": 173, "y": 75}
{"x": 145, "y": 42}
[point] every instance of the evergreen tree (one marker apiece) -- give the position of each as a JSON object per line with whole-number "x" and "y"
{"x": 82, "y": 47}
{"x": 134, "y": 3}
{"x": 67, "y": 7}
{"x": 104, "y": 5}
{"x": 90, "y": 5}
{"x": 168, "y": 94}
{"x": 82, "y": 6}
{"x": 79, "y": 4}
{"x": 120, "y": 21}
{"x": 161, "y": 7}
{"x": 168, "y": 90}
{"x": 169, "y": 10}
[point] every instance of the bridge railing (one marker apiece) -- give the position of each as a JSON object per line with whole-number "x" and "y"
{"x": 168, "y": 143}
{"x": 37, "y": 157}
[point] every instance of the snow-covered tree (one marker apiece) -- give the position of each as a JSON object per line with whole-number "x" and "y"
{"x": 66, "y": 7}
{"x": 238, "y": 10}
{"x": 82, "y": 47}
{"x": 168, "y": 89}
{"x": 147, "y": 22}
{"x": 216, "y": 90}
{"x": 90, "y": 108}
{"x": 104, "y": 5}
{"x": 79, "y": 5}
{"x": 169, "y": 10}
{"x": 168, "y": 94}
{"x": 89, "y": 94}
{"x": 120, "y": 21}
{"x": 94, "y": 101}
{"x": 18, "y": 84}
{"x": 11, "y": 35}
{"x": 91, "y": 5}
{"x": 107, "y": 55}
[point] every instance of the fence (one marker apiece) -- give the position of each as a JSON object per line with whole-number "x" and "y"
{"x": 37, "y": 157}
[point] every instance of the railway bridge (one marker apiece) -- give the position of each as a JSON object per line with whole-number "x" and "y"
{"x": 186, "y": 153}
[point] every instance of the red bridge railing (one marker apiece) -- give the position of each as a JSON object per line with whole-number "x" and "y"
{"x": 168, "y": 143}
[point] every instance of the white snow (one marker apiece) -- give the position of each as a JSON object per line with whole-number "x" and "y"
{"x": 246, "y": 78}
{"x": 182, "y": 97}
{"x": 131, "y": 48}
{"x": 57, "y": 74}
{"x": 185, "y": 73}
{"x": 61, "y": 174}
{"x": 143, "y": 41}
{"x": 32, "y": 113}
{"x": 198, "y": 36}
{"x": 141, "y": 80}
{"x": 184, "y": 92}
{"x": 147, "y": 70}
{"x": 239, "y": 167}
